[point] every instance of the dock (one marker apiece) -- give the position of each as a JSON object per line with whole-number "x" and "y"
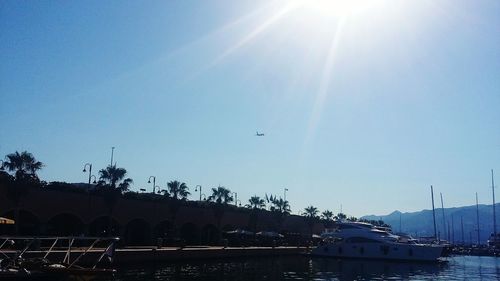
{"x": 170, "y": 254}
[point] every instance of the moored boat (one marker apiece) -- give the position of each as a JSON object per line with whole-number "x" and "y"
{"x": 363, "y": 240}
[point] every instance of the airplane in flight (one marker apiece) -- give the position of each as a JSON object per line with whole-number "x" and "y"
{"x": 259, "y": 135}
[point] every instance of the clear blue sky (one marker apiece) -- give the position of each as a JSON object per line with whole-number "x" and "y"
{"x": 364, "y": 105}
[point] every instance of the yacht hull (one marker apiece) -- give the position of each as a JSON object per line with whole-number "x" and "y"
{"x": 389, "y": 251}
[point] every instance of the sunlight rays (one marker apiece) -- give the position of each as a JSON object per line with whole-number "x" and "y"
{"x": 254, "y": 33}
{"x": 322, "y": 92}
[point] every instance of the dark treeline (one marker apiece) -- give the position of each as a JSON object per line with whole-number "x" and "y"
{"x": 18, "y": 174}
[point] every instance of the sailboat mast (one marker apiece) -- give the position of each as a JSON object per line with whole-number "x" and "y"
{"x": 494, "y": 213}
{"x": 433, "y": 213}
{"x": 400, "y": 222}
{"x": 452, "y": 230}
{"x": 477, "y": 216}
{"x": 442, "y": 210}
{"x": 462, "y": 224}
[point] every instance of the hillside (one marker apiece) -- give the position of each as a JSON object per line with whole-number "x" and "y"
{"x": 421, "y": 223}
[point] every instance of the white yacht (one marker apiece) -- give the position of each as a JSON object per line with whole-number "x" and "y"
{"x": 363, "y": 240}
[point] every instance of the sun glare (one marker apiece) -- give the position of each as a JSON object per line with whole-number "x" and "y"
{"x": 337, "y": 8}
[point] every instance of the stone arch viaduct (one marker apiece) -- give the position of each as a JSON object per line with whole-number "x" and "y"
{"x": 52, "y": 212}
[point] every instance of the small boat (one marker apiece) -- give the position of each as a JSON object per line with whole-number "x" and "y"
{"x": 55, "y": 257}
{"x": 364, "y": 240}
{"x": 494, "y": 241}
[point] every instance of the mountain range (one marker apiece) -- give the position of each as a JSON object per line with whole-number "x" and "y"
{"x": 420, "y": 223}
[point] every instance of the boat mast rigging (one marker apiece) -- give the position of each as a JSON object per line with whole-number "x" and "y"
{"x": 433, "y": 213}
{"x": 494, "y": 212}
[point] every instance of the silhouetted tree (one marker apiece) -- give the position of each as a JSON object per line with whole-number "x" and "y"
{"x": 178, "y": 190}
{"x": 327, "y": 217}
{"x": 221, "y": 196}
{"x": 341, "y": 216}
{"x": 279, "y": 207}
{"x": 24, "y": 166}
{"x": 255, "y": 202}
{"x": 113, "y": 177}
{"x": 311, "y": 214}
{"x": 112, "y": 183}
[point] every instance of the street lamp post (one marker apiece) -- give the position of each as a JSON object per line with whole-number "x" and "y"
{"x": 90, "y": 170}
{"x": 235, "y": 199}
{"x": 154, "y": 182}
{"x": 95, "y": 179}
{"x": 196, "y": 189}
{"x": 88, "y": 189}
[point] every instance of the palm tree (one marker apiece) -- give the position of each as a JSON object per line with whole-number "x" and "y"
{"x": 111, "y": 176}
{"x": 23, "y": 164}
{"x": 341, "y": 216}
{"x": 327, "y": 217}
{"x": 280, "y": 206}
{"x": 178, "y": 190}
{"x": 255, "y": 202}
{"x": 311, "y": 214}
{"x": 112, "y": 183}
{"x": 221, "y": 195}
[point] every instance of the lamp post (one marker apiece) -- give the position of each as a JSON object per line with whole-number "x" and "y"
{"x": 235, "y": 198}
{"x": 196, "y": 189}
{"x": 154, "y": 182}
{"x": 90, "y": 170}
{"x": 284, "y": 193}
{"x": 159, "y": 189}
{"x": 95, "y": 179}
{"x": 88, "y": 190}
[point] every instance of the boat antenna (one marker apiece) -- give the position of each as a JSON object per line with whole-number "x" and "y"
{"x": 477, "y": 216}
{"x": 442, "y": 210}
{"x": 433, "y": 213}
{"x": 494, "y": 212}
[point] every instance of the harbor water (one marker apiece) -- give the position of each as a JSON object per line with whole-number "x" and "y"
{"x": 312, "y": 268}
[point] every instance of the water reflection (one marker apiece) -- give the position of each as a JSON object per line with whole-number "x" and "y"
{"x": 305, "y": 268}
{"x": 333, "y": 269}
